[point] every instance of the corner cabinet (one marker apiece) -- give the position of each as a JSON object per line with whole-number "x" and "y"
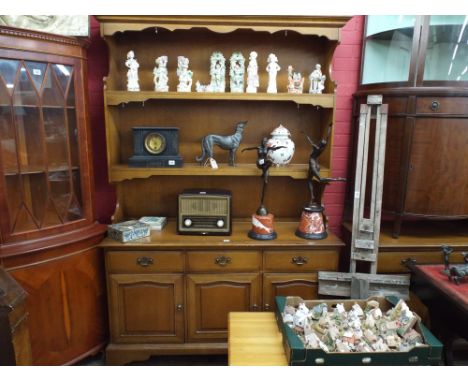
{"x": 48, "y": 237}
{"x": 178, "y": 302}
{"x": 419, "y": 64}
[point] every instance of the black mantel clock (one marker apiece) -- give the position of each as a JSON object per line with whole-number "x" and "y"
{"x": 155, "y": 147}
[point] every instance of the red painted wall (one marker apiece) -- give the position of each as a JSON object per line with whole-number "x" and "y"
{"x": 345, "y": 72}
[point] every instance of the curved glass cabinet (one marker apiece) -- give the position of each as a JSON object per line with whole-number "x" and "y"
{"x": 420, "y": 66}
{"x": 388, "y": 44}
{"x": 39, "y": 144}
{"x": 447, "y": 49}
{"x": 415, "y": 50}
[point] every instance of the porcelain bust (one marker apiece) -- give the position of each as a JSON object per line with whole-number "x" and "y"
{"x": 132, "y": 73}
{"x": 160, "y": 75}
{"x": 272, "y": 68}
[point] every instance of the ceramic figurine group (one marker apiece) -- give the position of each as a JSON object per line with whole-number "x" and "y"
{"x": 218, "y": 74}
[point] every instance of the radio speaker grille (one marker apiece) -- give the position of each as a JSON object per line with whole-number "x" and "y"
{"x": 208, "y": 206}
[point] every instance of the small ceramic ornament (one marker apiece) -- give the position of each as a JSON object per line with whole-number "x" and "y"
{"x": 317, "y": 80}
{"x": 252, "y": 73}
{"x": 132, "y": 73}
{"x": 185, "y": 75}
{"x": 217, "y": 73}
{"x": 236, "y": 72}
{"x": 281, "y": 137}
{"x": 272, "y": 68}
{"x": 295, "y": 81}
{"x": 160, "y": 75}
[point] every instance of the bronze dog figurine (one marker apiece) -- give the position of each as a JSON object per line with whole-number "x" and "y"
{"x": 228, "y": 142}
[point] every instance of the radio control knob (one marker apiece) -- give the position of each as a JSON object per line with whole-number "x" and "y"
{"x": 220, "y": 223}
{"x": 187, "y": 222}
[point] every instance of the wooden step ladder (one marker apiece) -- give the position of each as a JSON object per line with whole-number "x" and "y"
{"x": 366, "y": 230}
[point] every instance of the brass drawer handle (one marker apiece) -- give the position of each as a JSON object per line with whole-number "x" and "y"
{"x": 267, "y": 307}
{"x": 179, "y": 307}
{"x": 435, "y": 105}
{"x": 255, "y": 307}
{"x": 299, "y": 260}
{"x": 222, "y": 261}
{"x": 145, "y": 261}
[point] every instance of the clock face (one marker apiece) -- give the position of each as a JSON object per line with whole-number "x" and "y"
{"x": 155, "y": 143}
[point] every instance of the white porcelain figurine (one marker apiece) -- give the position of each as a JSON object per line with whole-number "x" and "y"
{"x": 272, "y": 68}
{"x": 160, "y": 75}
{"x": 217, "y": 73}
{"x": 281, "y": 137}
{"x": 295, "y": 81}
{"x": 252, "y": 73}
{"x": 237, "y": 71}
{"x": 185, "y": 75}
{"x": 317, "y": 80}
{"x": 132, "y": 73}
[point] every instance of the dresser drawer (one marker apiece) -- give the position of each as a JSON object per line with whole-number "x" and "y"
{"x": 302, "y": 260}
{"x": 144, "y": 261}
{"x": 441, "y": 105}
{"x": 223, "y": 261}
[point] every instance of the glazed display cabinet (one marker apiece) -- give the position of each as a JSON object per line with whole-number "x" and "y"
{"x": 171, "y": 294}
{"x": 419, "y": 64}
{"x": 48, "y": 235}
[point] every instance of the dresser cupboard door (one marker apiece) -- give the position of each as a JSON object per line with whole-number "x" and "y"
{"x": 146, "y": 308}
{"x": 210, "y": 298}
{"x": 304, "y": 285}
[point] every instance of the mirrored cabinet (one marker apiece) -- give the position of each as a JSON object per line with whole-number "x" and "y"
{"x": 420, "y": 66}
{"x": 48, "y": 236}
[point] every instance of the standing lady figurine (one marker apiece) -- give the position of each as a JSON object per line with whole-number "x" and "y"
{"x": 272, "y": 68}
{"x": 160, "y": 75}
{"x": 252, "y": 73}
{"x": 132, "y": 73}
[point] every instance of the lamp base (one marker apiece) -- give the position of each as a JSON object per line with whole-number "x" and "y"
{"x": 262, "y": 227}
{"x": 312, "y": 225}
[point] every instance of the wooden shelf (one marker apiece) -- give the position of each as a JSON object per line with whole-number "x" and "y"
{"x": 118, "y": 173}
{"x": 38, "y": 170}
{"x": 117, "y": 97}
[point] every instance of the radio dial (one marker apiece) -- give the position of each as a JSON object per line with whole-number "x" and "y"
{"x": 187, "y": 222}
{"x": 220, "y": 223}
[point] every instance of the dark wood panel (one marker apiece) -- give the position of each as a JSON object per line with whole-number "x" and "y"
{"x": 438, "y": 168}
{"x": 444, "y": 105}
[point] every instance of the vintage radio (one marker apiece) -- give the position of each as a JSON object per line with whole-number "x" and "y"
{"x": 204, "y": 212}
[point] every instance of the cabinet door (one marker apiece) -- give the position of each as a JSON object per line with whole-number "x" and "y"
{"x": 66, "y": 306}
{"x": 438, "y": 171}
{"x": 146, "y": 308}
{"x": 211, "y": 297}
{"x": 304, "y": 285}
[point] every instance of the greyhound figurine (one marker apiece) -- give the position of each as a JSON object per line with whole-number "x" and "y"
{"x": 228, "y": 142}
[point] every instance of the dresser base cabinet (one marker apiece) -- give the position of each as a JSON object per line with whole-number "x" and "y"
{"x": 168, "y": 296}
